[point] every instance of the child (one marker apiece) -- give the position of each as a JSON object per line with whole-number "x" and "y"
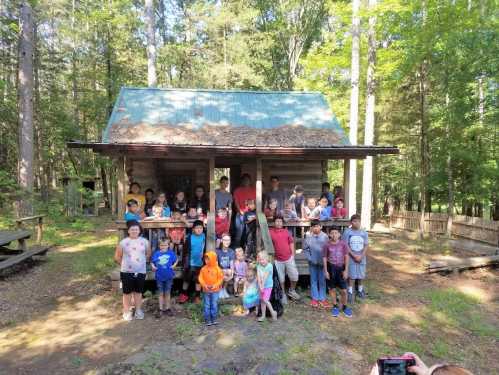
{"x": 199, "y": 202}
{"x": 265, "y": 283}
{"x": 271, "y": 210}
{"x": 177, "y": 234}
{"x": 357, "y": 241}
{"x": 226, "y": 257}
{"x": 326, "y": 187}
{"x": 289, "y": 213}
{"x": 313, "y": 247}
{"x": 240, "y": 269}
{"x": 162, "y": 263}
{"x": 133, "y": 213}
{"x": 179, "y": 203}
{"x": 322, "y": 211}
{"x": 132, "y": 254}
{"x": 298, "y": 199}
{"x": 193, "y": 261}
{"x": 338, "y": 210}
{"x": 211, "y": 279}
{"x": 309, "y": 208}
{"x": 135, "y": 194}
{"x": 250, "y": 291}
{"x": 149, "y": 202}
{"x": 161, "y": 201}
{"x": 222, "y": 224}
{"x": 335, "y": 257}
{"x": 250, "y": 230}
{"x": 192, "y": 214}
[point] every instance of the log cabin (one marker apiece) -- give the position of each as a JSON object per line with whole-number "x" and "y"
{"x": 174, "y": 139}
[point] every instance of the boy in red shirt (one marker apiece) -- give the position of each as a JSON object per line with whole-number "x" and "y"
{"x": 338, "y": 209}
{"x": 284, "y": 247}
{"x": 222, "y": 225}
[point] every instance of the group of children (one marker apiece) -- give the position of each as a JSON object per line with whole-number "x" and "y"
{"x": 336, "y": 261}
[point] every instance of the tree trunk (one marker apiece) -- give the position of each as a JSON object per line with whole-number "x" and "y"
{"x": 423, "y": 145}
{"x": 354, "y": 104}
{"x": 25, "y": 89}
{"x": 105, "y": 189}
{"x": 367, "y": 180}
{"x": 450, "y": 176}
{"x": 151, "y": 43}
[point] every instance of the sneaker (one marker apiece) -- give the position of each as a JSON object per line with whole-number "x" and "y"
{"x": 168, "y": 312}
{"x": 347, "y": 311}
{"x": 314, "y": 303}
{"x": 207, "y": 324}
{"x": 261, "y": 319}
{"x": 197, "y": 300}
{"x": 361, "y": 294}
{"x": 139, "y": 314}
{"x": 350, "y": 298}
{"x": 128, "y": 316}
{"x": 325, "y": 304}
{"x": 274, "y": 315}
{"x": 284, "y": 299}
{"x": 335, "y": 311}
{"x": 214, "y": 323}
{"x": 183, "y": 298}
{"x": 293, "y": 295}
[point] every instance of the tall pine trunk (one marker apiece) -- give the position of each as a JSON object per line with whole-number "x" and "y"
{"x": 151, "y": 43}
{"x": 354, "y": 105}
{"x": 25, "y": 88}
{"x": 423, "y": 145}
{"x": 367, "y": 180}
{"x": 450, "y": 176}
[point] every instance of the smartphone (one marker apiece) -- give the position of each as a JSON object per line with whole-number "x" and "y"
{"x": 395, "y": 365}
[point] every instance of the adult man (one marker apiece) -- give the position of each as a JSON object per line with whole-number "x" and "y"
{"x": 284, "y": 248}
{"x": 280, "y": 195}
{"x": 241, "y": 195}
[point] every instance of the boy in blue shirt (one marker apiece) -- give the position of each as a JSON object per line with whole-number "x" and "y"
{"x": 192, "y": 261}
{"x": 358, "y": 242}
{"x": 162, "y": 262}
{"x": 132, "y": 213}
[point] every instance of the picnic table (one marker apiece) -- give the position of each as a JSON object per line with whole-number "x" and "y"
{"x": 10, "y": 256}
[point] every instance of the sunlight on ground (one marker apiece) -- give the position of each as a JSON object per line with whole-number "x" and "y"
{"x": 81, "y": 323}
{"x": 473, "y": 291}
{"x": 84, "y": 246}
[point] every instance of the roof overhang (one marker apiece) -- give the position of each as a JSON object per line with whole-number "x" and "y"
{"x": 201, "y": 151}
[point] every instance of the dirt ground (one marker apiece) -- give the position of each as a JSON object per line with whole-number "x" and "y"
{"x": 54, "y": 320}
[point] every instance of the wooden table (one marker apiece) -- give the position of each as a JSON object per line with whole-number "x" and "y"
{"x": 8, "y": 236}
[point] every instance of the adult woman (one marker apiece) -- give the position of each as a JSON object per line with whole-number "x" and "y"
{"x": 131, "y": 254}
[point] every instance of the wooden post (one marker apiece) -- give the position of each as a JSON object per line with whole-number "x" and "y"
{"x": 122, "y": 183}
{"x": 346, "y": 184}
{"x": 210, "y": 242}
{"x": 39, "y": 230}
{"x": 258, "y": 202}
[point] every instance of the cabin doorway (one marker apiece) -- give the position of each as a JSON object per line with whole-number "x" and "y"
{"x": 172, "y": 183}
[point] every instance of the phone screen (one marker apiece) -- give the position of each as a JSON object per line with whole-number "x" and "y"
{"x": 394, "y": 367}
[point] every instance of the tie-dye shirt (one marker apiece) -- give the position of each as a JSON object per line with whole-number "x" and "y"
{"x": 134, "y": 255}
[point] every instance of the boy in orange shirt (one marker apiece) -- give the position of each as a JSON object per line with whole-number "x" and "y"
{"x": 210, "y": 278}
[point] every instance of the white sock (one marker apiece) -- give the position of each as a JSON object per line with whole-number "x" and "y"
{"x": 350, "y": 289}
{"x": 361, "y": 288}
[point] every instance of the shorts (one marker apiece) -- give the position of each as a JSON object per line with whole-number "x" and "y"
{"x": 287, "y": 267}
{"x": 265, "y": 294}
{"x": 192, "y": 274}
{"x": 164, "y": 286}
{"x": 357, "y": 271}
{"x": 132, "y": 282}
{"x": 336, "y": 279}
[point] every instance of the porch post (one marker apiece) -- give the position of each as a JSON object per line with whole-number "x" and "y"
{"x": 121, "y": 177}
{"x": 210, "y": 242}
{"x": 258, "y": 201}
{"x": 346, "y": 184}
{"x": 352, "y": 187}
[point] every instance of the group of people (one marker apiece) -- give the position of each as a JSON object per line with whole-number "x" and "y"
{"x": 336, "y": 260}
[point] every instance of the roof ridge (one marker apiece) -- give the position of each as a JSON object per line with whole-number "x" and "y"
{"x": 223, "y": 91}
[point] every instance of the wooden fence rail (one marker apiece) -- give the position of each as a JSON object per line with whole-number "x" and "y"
{"x": 474, "y": 228}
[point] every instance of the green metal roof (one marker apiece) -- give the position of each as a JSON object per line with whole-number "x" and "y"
{"x": 223, "y": 118}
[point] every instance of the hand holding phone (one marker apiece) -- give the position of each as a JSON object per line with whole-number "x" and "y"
{"x": 396, "y": 365}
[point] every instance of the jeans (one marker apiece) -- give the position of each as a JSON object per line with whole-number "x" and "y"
{"x": 238, "y": 229}
{"x": 317, "y": 282}
{"x": 210, "y": 305}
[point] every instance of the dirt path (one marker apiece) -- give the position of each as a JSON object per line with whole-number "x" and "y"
{"x": 54, "y": 320}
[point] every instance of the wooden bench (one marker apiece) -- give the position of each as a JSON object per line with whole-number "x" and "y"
{"x": 10, "y": 257}
{"x": 39, "y": 225}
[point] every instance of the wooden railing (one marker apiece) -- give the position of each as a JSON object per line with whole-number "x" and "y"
{"x": 39, "y": 225}
{"x": 473, "y": 228}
